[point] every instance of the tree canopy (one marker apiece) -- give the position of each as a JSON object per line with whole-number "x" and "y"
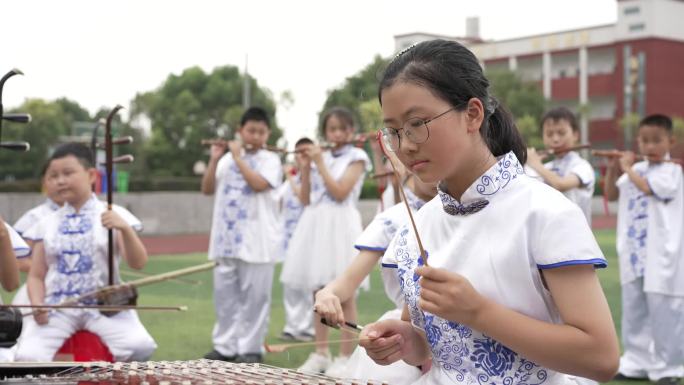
{"x": 192, "y": 106}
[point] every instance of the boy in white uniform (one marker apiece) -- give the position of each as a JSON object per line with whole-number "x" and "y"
{"x": 297, "y": 301}
{"x": 245, "y": 235}
{"x": 30, "y": 218}
{"x": 70, "y": 259}
{"x": 568, "y": 172}
{"x": 651, "y": 256}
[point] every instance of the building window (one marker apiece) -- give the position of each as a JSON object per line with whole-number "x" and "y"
{"x": 631, "y": 11}
{"x": 637, "y": 27}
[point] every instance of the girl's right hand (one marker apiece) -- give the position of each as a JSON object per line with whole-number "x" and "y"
{"x": 315, "y": 154}
{"x": 328, "y": 306}
{"x": 387, "y": 341}
{"x": 41, "y": 316}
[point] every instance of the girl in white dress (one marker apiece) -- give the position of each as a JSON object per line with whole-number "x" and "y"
{"x": 323, "y": 243}
{"x": 509, "y": 295}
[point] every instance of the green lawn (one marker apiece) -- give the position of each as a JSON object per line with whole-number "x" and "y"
{"x": 187, "y": 335}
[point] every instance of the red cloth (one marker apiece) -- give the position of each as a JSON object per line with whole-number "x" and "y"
{"x": 85, "y": 346}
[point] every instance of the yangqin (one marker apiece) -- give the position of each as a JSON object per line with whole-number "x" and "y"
{"x": 201, "y": 372}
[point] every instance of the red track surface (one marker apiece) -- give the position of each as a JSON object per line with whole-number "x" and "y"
{"x": 198, "y": 243}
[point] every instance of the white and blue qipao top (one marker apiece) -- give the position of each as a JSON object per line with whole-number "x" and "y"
{"x": 506, "y": 229}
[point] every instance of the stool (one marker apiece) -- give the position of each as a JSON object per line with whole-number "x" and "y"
{"x": 84, "y": 346}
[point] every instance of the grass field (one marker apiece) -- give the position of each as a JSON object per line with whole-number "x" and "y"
{"x": 187, "y": 335}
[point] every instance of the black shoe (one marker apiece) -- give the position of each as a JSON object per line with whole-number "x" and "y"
{"x": 668, "y": 381}
{"x": 285, "y": 336}
{"x": 214, "y": 355}
{"x": 622, "y": 377}
{"x": 249, "y": 358}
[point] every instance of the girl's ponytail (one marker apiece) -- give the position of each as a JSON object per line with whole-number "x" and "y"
{"x": 501, "y": 134}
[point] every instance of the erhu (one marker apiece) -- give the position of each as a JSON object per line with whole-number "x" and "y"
{"x": 119, "y": 297}
{"x": 17, "y": 117}
{"x": 10, "y": 318}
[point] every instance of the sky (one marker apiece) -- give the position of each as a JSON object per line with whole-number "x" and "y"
{"x": 102, "y": 52}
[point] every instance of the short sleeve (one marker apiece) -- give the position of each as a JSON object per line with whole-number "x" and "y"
{"x": 271, "y": 169}
{"x": 222, "y": 166}
{"x": 26, "y": 221}
{"x": 584, "y": 172}
{"x": 389, "y": 259}
{"x": 374, "y": 237}
{"x": 36, "y": 233}
{"x": 664, "y": 180}
{"x": 21, "y": 249}
{"x": 562, "y": 237}
{"x": 360, "y": 155}
{"x": 127, "y": 216}
{"x": 381, "y": 230}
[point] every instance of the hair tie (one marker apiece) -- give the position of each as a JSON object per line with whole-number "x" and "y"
{"x": 491, "y": 105}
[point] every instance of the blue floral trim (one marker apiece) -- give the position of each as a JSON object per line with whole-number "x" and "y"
{"x": 73, "y": 248}
{"x": 464, "y": 355}
{"x": 506, "y": 169}
{"x": 232, "y": 213}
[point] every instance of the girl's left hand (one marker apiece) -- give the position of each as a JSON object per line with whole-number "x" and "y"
{"x": 449, "y": 295}
{"x": 112, "y": 220}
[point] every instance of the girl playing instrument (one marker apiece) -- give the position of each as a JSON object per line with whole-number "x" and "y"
{"x": 322, "y": 245}
{"x": 508, "y": 292}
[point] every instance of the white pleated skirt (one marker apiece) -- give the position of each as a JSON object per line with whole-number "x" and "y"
{"x": 322, "y": 246}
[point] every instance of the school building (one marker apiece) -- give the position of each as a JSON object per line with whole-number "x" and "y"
{"x": 611, "y": 74}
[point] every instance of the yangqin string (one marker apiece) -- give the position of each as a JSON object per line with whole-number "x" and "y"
{"x": 203, "y": 372}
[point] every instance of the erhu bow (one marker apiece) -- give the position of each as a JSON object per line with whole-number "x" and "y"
{"x": 423, "y": 254}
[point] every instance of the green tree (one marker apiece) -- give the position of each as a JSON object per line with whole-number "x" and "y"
{"x": 524, "y": 100}
{"x": 359, "y": 93}
{"x": 50, "y": 120}
{"x": 192, "y": 106}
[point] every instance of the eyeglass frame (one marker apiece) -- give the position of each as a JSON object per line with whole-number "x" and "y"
{"x": 386, "y": 133}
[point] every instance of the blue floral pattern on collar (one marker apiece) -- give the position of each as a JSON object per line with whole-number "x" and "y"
{"x": 498, "y": 177}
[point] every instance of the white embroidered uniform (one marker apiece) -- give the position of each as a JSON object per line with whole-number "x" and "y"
{"x": 25, "y": 222}
{"x": 21, "y": 249}
{"x": 322, "y": 245}
{"x": 504, "y": 231}
{"x": 298, "y": 302}
{"x": 34, "y": 215}
{"x": 376, "y": 237}
{"x": 75, "y": 245}
{"x": 245, "y": 236}
{"x": 573, "y": 163}
{"x": 651, "y": 257}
